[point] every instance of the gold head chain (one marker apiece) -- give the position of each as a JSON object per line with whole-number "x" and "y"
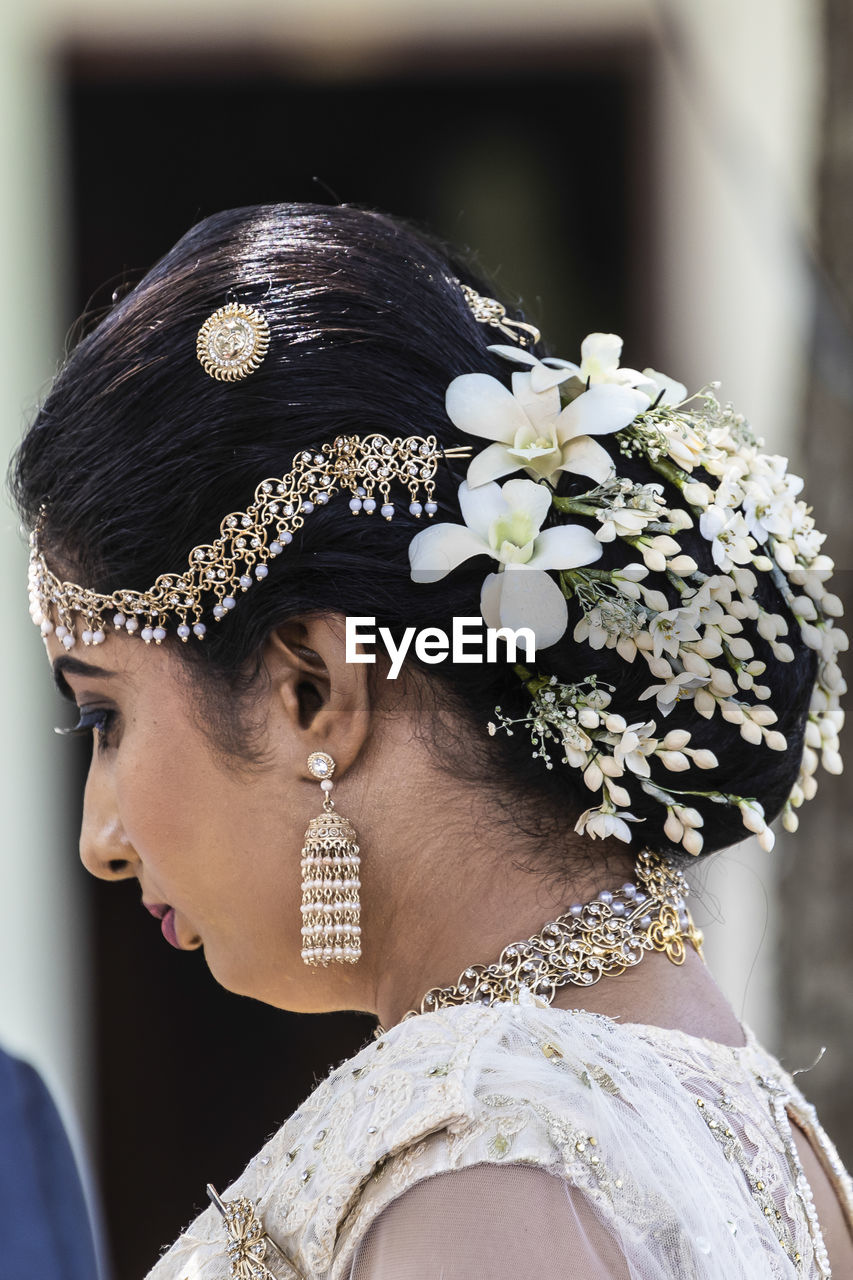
{"x": 248, "y": 540}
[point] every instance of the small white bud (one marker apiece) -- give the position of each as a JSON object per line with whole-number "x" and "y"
{"x": 694, "y": 663}
{"x": 675, "y": 761}
{"x": 692, "y": 841}
{"x": 752, "y": 814}
{"x": 740, "y": 648}
{"x": 784, "y": 557}
{"x": 673, "y": 828}
{"x": 683, "y": 564}
{"x": 593, "y": 777}
{"x": 618, "y": 794}
{"x": 766, "y": 839}
{"x": 751, "y": 732}
{"x": 722, "y": 683}
{"x": 676, "y": 739}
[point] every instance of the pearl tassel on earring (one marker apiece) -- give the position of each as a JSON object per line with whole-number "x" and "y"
{"x": 330, "y": 879}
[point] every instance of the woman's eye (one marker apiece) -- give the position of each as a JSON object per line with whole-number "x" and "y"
{"x": 93, "y": 718}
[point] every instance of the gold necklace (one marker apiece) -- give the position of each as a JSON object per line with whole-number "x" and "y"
{"x": 590, "y": 941}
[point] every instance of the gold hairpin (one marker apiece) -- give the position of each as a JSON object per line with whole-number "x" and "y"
{"x": 233, "y": 341}
{"x": 490, "y": 311}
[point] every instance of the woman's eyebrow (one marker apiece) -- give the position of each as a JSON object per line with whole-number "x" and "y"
{"x": 76, "y": 668}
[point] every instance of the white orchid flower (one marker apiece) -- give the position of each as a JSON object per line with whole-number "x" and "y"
{"x": 548, "y": 372}
{"x": 674, "y": 393}
{"x": 505, "y": 522}
{"x": 600, "y": 354}
{"x": 533, "y": 432}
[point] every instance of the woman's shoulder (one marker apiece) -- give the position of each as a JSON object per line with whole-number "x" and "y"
{"x": 573, "y": 1093}
{"x": 433, "y": 1092}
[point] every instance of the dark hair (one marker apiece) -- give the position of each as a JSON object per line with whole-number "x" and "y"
{"x": 138, "y": 454}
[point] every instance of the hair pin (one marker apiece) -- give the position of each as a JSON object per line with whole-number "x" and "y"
{"x": 232, "y": 342}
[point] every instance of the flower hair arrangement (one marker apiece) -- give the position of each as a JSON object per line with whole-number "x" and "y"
{"x": 743, "y": 502}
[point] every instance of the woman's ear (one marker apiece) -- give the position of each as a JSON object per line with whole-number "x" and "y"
{"x": 324, "y": 699}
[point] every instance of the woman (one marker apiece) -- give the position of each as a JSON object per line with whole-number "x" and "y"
{"x": 266, "y": 429}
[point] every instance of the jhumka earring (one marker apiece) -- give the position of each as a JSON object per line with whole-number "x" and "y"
{"x": 330, "y": 878}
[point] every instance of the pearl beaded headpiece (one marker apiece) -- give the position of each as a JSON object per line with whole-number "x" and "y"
{"x": 218, "y": 572}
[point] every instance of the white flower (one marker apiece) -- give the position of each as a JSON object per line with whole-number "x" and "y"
{"x": 685, "y": 445}
{"x": 549, "y": 372}
{"x": 769, "y": 499}
{"x": 672, "y": 628}
{"x": 605, "y": 822}
{"x": 533, "y": 432}
{"x": 592, "y": 629}
{"x": 504, "y": 522}
{"x": 576, "y": 744}
{"x": 636, "y": 743}
{"x": 729, "y": 536}
{"x": 600, "y": 354}
{"x": 673, "y": 392}
{"x": 673, "y": 690}
{"x": 622, "y": 522}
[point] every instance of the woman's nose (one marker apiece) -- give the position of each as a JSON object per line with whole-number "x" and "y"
{"x": 105, "y": 850}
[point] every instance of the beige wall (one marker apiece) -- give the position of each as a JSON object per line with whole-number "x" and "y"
{"x": 737, "y": 117}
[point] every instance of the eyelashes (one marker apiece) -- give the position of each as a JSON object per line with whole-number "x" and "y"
{"x": 98, "y": 718}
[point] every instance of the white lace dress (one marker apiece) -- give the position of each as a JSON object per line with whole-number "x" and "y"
{"x": 522, "y": 1140}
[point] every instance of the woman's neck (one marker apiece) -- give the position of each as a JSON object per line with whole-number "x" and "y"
{"x": 477, "y": 917}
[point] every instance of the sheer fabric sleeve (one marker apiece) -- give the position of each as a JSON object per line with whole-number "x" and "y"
{"x": 490, "y": 1222}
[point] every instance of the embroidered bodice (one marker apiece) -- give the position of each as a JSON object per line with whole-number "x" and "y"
{"x": 676, "y": 1150}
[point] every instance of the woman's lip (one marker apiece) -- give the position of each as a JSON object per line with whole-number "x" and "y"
{"x": 167, "y": 925}
{"x": 157, "y": 909}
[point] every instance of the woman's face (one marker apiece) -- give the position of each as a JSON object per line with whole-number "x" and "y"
{"x": 215, "y": 848}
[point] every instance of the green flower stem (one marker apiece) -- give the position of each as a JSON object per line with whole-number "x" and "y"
{"x": 531, "y": 682}
{"x": 574, "y": 506}
{"x": 678, "y": 582}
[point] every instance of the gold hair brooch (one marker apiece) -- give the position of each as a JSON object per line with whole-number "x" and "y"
{"x": 247, "y": 1240}
{"x": 233, "y": 341}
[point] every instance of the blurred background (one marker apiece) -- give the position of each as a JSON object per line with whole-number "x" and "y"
{"x": 676, "y": 171}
